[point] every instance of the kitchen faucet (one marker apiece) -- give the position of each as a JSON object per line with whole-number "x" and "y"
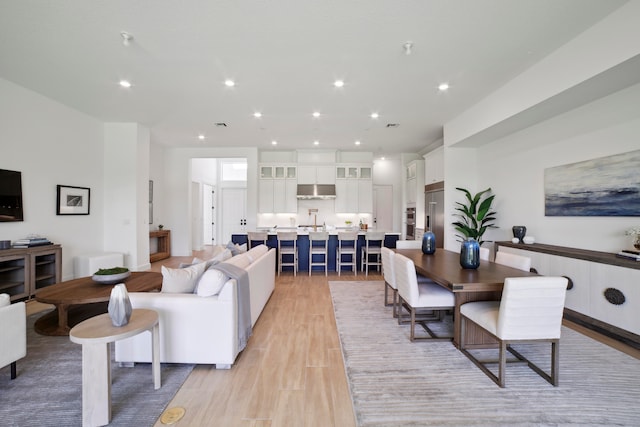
{"x": 315, "y": 218}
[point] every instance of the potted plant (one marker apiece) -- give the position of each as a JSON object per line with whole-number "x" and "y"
{"x": 475, "y": 216}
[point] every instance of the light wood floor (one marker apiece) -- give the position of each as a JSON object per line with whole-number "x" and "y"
{"x": 291, "y": 373}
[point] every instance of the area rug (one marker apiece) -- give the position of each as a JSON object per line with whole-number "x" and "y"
{"x": 48, "y": 388}
{"x": 395, "y": 382}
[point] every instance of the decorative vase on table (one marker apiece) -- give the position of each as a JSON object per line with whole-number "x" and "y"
{"x": 428, "y": 242}
{"x": 119, "y": 305}
{"x": 470, "y": 254}
{"x": 519, "y": 231}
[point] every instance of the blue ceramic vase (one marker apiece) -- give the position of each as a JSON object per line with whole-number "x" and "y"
{"x": 428, "y": 242}
{"x": 470, "y": 254}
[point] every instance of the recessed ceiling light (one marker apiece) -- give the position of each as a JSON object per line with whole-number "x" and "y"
{"x": 316, "y": 142}
{"x": 374, "y": 115}
{"x": 229, "y": 83}
{"x": 382, "y": 158}
{"x": 126, "y": 38}
{"x": 200, "y": 136}
{"x": 357, "y": 142}
{"x": 274, "y": 142}
{"x": 443, "y": 86}
{"x": 338, "y": 83}
{"x": 257, "y": 114}
{"x": 316, "y": 114}
{"x": 125, "y": 83}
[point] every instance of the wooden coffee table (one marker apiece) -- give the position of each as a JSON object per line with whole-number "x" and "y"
{"x": 79, "y": 299}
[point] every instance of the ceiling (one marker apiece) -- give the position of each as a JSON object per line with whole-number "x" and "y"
{"x": 284, "y": 56}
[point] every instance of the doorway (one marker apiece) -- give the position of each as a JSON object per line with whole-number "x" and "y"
{"x": 383, "y": 207}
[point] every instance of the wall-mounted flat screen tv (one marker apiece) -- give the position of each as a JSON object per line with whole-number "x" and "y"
{"x": 10, "y": 196}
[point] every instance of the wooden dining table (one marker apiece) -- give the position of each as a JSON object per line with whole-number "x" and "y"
{"x": 482, "y": 284}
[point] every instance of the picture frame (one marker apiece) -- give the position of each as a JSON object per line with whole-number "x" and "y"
{"x": 72, "y": 200}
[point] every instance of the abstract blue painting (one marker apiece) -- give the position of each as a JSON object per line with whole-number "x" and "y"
{"x": 606, "y": 186}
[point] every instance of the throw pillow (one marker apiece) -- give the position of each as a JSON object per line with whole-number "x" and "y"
{"x": 256, "y": 252}
{"x": 181, "y": 280}
{"x": 211, "y": 283}
{"x": 236, "y": 249}
{"x": 5, "y": 300}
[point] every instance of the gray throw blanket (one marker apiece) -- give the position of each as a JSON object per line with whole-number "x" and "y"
{"x": 244, "y": 300}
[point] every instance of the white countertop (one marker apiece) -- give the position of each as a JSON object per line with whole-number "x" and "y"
{"x": 304, "y": 231}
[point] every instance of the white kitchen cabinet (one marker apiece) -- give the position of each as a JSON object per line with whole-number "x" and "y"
{"x": 277, "y": 189}
{"x": 434, "y": 166}
{"x": 265, "y": 195}
{"x": 346, "y": 196}
{"x": 365, "y": 196}
{"x": 308, "y": 174}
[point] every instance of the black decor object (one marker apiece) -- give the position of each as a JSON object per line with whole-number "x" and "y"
{"x": 519, "y": 231}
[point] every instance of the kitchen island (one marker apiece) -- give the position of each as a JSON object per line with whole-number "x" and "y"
{"x": 390, "y": 239}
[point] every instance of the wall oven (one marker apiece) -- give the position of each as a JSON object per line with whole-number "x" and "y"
{"x": 410, "y": 230}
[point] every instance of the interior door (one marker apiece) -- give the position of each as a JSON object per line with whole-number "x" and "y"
{"x": 383, "y": 207}
{"x": 233, "y": 211}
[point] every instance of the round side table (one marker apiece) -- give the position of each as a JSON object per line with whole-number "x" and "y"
{"x": 95, "y": 334}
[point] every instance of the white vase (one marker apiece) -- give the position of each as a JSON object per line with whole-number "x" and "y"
{"x": 119, "y": 305}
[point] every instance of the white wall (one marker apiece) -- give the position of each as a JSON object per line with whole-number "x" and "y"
{"x": 514, "y": 168}
{"x": 177, "y": 190}
{"x": 586, "y": 125}
{"x": 52, "y": 144}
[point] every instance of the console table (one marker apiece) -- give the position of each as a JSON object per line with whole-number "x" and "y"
{"x": 25, "y": 271}
{"x": 603, "y": 292}
{"x": 164, "y": 245}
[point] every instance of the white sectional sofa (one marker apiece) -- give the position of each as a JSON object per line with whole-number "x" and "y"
{"x": 197, "y": 329}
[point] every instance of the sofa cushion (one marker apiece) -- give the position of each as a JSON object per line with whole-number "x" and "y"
{"x": 211, "y": 283}
{"x": 242, "y": 261}
{"x": 181, "y": 280}
{"x": 256, "y": 252}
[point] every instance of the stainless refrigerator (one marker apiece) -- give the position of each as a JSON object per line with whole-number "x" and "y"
{"x": 434, "y": 215}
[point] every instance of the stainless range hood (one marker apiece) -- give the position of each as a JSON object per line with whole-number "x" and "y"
{"x": 316, "y": 191}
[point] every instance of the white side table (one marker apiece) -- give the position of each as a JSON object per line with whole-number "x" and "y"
{"x": 95, "y": 334}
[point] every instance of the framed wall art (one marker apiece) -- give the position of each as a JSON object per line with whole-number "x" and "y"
{"x": 73, "y": 200}
{"x": 606, "y": 186}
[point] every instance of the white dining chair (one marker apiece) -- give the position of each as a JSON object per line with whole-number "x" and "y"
{"x": 415, "y": 298}
{"x": 531, "y": 310}
{"x": 409, "y": 244}
{"x": 513, "y": 260}
{"x": 484, "y": 253}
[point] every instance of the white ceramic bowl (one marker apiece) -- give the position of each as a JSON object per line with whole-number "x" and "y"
{"x": 110, "y": 279}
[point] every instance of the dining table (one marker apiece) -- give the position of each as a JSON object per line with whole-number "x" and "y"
{"x": 482, "y": 284}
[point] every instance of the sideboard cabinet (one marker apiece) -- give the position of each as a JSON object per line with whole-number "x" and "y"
{"x": 603, "y": 292}
{"x": 24, "y": 271}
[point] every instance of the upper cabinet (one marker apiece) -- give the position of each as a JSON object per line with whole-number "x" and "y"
{"x": 434, "y": 166}
{"x": 308, "y": 174}
{"x": 353, "y": 172}
{"x": 354, "y": 188}
{"x": 415, "y": 182}
{"x": 277, "y": 189}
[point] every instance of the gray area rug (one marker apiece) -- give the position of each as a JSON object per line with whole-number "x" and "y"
{"x": 48, "y": 388}
{"x": 394, "y": 382}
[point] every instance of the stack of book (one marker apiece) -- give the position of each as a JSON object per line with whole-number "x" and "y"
{"x": 628, "y": 254}
{"x": 31, "y": 242}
